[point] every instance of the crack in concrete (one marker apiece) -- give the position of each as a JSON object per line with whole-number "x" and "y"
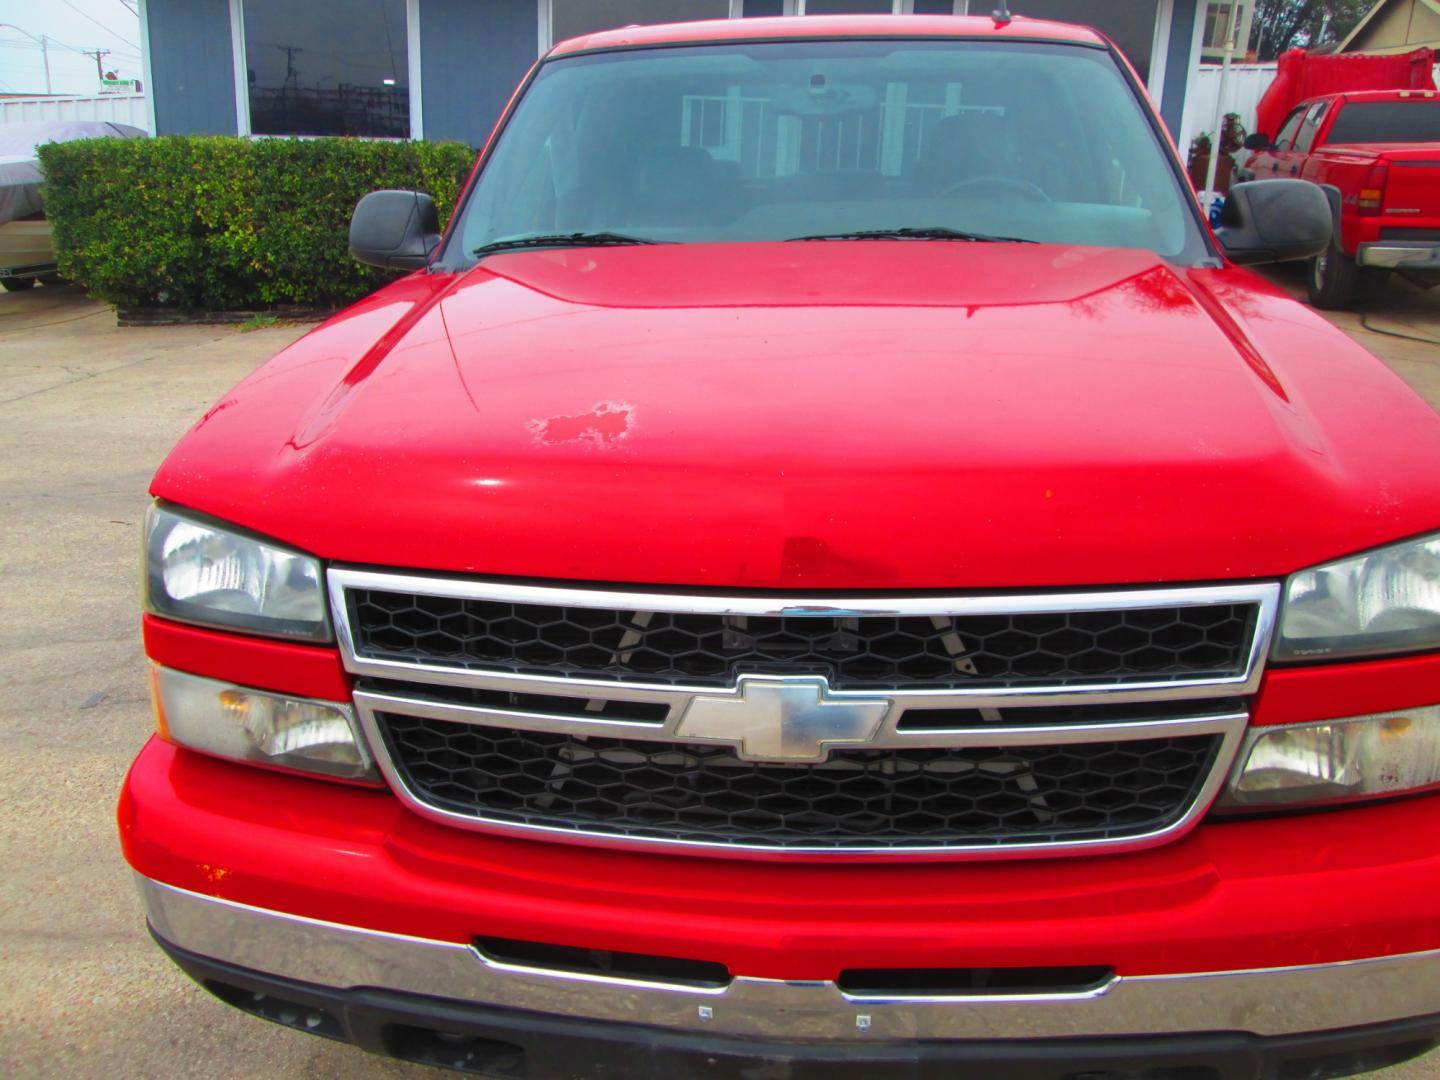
{"x": 75, "y": 381}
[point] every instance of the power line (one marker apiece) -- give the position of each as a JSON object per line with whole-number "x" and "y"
{"x": 27, "y": 46}
{"x": 98, "y": 23}
{"x": 34, "y": 41}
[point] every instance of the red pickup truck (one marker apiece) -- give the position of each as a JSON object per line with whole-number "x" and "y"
{"x": 1381, "y": 149}
{"x": 827, "y": 568}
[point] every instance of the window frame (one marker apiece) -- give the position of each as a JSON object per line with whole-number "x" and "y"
{"x": 1298, "y": 115}
{"x": 546, "y": 36}
{"x": 1310, "y": 127}
{"x": 1210, "y": 22}
{"x": 1224, "y": 9}
{"x": 243, "y": 126}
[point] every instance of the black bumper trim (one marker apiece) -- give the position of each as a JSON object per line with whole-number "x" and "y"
{"x": 516, "y": 1045}
{"x": 31, "y": 270}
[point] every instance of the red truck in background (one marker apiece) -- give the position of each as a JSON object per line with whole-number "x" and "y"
{"x": 1381, "y": 149}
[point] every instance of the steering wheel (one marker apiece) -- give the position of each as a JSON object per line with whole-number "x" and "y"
{"x": 1025, "y": 187}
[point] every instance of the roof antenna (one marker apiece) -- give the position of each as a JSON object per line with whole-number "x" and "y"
{"x": 1001, "y": 14}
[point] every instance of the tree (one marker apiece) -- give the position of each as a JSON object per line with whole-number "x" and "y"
{"x": 1289, "y": 24}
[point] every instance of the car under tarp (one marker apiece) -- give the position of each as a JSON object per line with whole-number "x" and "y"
{"x": 20, "y": 176}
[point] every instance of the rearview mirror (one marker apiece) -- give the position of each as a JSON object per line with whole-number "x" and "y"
{"x": 395, "y": 230}
{"x": 1268, "y": 221}
{"x": 1258, "y": 142}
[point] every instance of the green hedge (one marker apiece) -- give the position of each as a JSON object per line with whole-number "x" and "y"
{"x": 212, "y": 223}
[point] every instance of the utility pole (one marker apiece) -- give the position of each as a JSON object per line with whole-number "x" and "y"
{"x": 44, "y": 44}
{"x": 290, "y": 52}
{"x": 1231, "y": 42}
{"x": 99, "y": 55}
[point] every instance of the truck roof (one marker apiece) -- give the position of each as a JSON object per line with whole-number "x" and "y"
{"x": 828, "y": 26}
{"x": 1382, "y": 95}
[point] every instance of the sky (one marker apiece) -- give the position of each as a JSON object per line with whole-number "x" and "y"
{"x": 70, "y": 25}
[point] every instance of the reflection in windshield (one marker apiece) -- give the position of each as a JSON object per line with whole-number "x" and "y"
{"x": 774, "y": 141}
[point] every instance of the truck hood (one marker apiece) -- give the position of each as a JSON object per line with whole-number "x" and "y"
{"x": 826, "y": 415}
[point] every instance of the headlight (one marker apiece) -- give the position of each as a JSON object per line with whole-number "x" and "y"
{"x": 201, "y": 572}
{"x": 1345, "y": 760}
{"x": 242, "y": 724}
{"x": 1387, "y": 601}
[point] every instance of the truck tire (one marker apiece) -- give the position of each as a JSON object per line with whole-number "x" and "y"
{"x": 1333, "y": 279}
{"x": 13, "y": 284}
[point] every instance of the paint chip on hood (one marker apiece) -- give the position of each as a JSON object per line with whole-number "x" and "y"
{"x": 604, "y": 425}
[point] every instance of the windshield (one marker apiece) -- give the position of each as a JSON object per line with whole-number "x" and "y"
{"x": 799, "y": 139}
{"x": 1387, "y": 122}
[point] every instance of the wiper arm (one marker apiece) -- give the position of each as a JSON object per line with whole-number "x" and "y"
{"x": 936, "y": 232}
{"x": 575, "y": 239}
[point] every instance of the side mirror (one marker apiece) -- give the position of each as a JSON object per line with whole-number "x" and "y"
{"x": 1258, "y": 142}
{"x": 1268, "y": 221}
{"x": 395, "y": 230}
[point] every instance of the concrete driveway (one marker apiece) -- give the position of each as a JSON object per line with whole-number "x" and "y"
{"x": 1400, "y": 324}
{"x": 86, "y": 413}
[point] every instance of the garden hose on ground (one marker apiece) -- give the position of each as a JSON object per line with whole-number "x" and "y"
{"x": 1365, "y": 322}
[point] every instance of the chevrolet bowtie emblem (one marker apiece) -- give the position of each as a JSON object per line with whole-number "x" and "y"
{"x": 783, "y": 719}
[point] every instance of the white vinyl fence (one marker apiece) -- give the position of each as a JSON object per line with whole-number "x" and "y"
{"x": 1246, "y": 85}
{"x": 129, "y": 109}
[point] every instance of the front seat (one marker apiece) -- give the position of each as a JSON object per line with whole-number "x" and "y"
{"x": 682, "y": 186}
{"x": 970, "y": 145}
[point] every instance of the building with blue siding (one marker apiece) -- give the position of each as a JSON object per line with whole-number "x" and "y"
{"x": 444, "y": 69}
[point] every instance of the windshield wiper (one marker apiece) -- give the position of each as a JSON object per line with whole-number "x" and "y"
{"x": 575, "y": 239}
{"x": 935, "y": 232}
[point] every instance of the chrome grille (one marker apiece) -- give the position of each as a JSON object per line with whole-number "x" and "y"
{"x": 861, "y": 652}
{"x": 976, "y": 796}
{"x": 486, "y": 710}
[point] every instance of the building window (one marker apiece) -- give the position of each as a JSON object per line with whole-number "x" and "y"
{"x": 848, "y": 7}
{"x": 571, "y": 18}
{"x": 561, "y": 19}
{"x": 327, "y": 69}
{"x": 1131, "y": 25}
{"x": 1217, "y": 26}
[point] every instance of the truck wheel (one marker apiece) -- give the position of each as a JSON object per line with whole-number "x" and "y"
{"x": 1333, "y": 279}
{"x": 17, "y": 284}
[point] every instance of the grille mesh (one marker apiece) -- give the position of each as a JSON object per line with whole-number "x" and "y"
{"x": 867, "y": 652}
{"x": 858, "y": 798}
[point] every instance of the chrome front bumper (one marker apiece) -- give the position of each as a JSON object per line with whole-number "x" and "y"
{"x": 1264, "y": 1002}
{"x": 1400, "y": 255}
